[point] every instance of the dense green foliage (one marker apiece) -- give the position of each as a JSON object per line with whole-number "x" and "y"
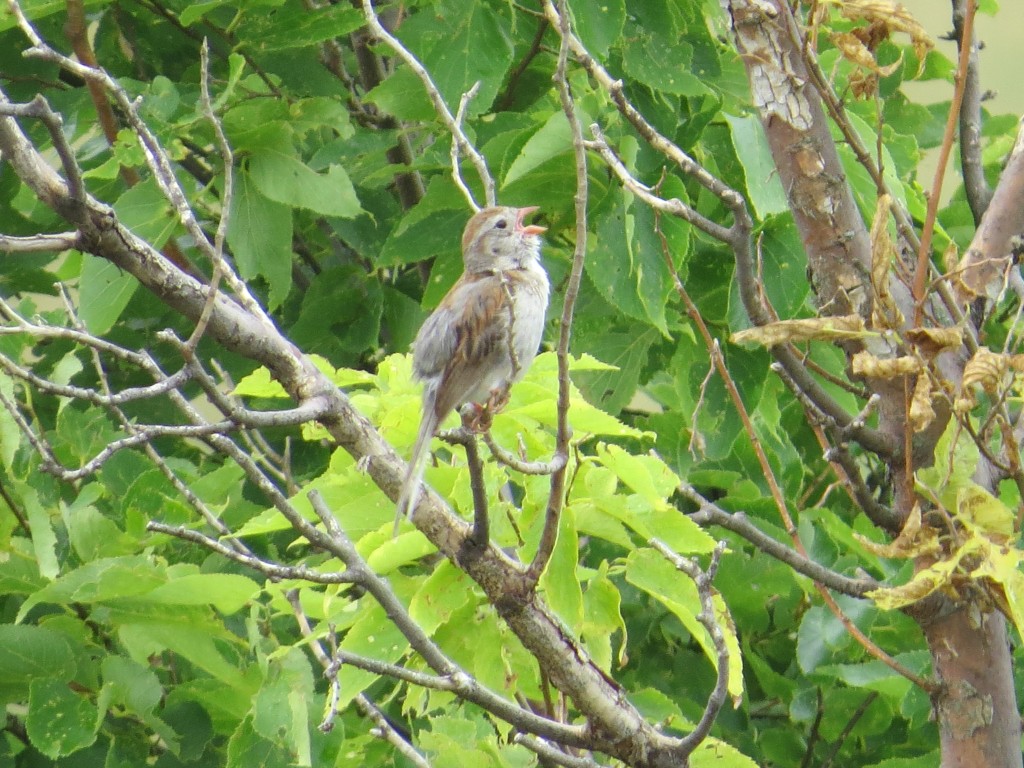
{"x": 177, "y": 656}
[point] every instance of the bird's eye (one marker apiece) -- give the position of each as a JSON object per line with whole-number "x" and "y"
{"x": 501, "y": 224}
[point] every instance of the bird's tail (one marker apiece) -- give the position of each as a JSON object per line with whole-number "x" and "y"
{"x": 410, "y": 493}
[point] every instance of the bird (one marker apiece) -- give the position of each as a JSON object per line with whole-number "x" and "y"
{"x": 483, "y": 335}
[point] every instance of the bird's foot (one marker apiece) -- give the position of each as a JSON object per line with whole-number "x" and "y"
{"x": 476, "y": 417}
{"x": 498, "y": 400}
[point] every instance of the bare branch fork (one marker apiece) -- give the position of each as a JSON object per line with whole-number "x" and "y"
{"x": 708, "y": 617}
{"x": 452, "y": 123}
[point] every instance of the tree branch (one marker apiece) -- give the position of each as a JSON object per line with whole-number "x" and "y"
{"x": 451, "y": 124}
{"x": 556, "y": 496}
{"x": 737, "y": 522}
{"x": 976, "y": 187}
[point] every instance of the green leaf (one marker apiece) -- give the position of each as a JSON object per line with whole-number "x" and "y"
{"x": 33, "y": 653}
{"x": 657, "y": 53}
{"x": 444, "y": 592}
{"x": 129, "y": 684}
{"x": 193, "y": 12}
{"x": 19, "y": 574}
{"x": 372, "y": 635}
{"x": 297, "y": 26}
{"x": 60, "y": 722}
{"x": 460, "y": 741}
{"x": 599, "y": 23}
{"x": 104, "y": 291}
{"x": 282, "y": 177}
{"x": 258, "y": 125}
{"x": 146, "y": 212}
{"x": 93, "y": 535}
{"x": 402, "y": 96}
{"x": 44, "y": 539}
{"x": 341, "y": 314}
{"x": 655, "y": 705}
{"x": 553, "y": 138}
{"x": 431, "y": 228}
{"x": 248, "y": 749}
{"x": 614, "y": 387}
{"x": 648, "y": 476}
{"x": 764, "y": 190}
{"x": 626, "y": 263}
{"x": 162, "y": 100}
{"x": 560, "y": 580}
{"x": 822, "y": 635}
{"x": 534, "y": 402}
{"x": 956, "y": 459}
{"x": 99, "y": 581}
{"x": 715, "y": 753}
{"x": 146, "y": 629}
{"x": 650, "y": 572}
{"x": 260, "y": 236}
{"x": 281, "y": 708}
{"x": 602, "y": 618}
{"x": 475, "y": 47}
{"x": 228, "y": 593}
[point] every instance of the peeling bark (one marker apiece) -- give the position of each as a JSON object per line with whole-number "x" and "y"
{"x": 831, "y": 228}
{"x": 976, "y": 708}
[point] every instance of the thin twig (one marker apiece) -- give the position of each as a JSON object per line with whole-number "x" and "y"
{"x": 39, "y": 109}
{"x": 673, "y": 207}
{"x": 456, "y": 171}
{"x": 272, "y": 570}
{"x": 458, "y": 135}
{"x": 558, "y": 461}
{"x": 976, "y": 187}
{"x": 550, "y": 754}
{"x": 42, "y": 243}
{"x": 925, "y": 250}
{"x": 481, "y": 521}
{"x": 848, "y": 728}
{"x": 332, "y": 664}
{"x": 227, "y": 197}
{"x": 556, "y": 496}
{"x": 156, "y": 158}
{"x": 709, "y": 513}
{"x": 708, "y": 618}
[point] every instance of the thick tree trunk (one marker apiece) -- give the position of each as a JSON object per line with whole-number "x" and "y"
{"x": 976, "y": 707}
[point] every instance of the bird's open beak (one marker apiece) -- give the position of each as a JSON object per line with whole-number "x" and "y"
{"x": 529, "y": 229}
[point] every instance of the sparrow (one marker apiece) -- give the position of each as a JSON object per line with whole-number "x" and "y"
{"x": 483, "y": 335}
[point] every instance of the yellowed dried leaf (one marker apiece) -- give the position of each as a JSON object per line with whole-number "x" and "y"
{"x": 921, "y": 412}
{"x": 894, "y": 18}
{"x": 884, "y": 312}
{"x": 985, "y": 369}
{"x": 882, "y": 249}
{"x": 867, "y": 364}
{"x": 930, "y": 341}
{"x": 939, "y": 576}
{"x": 809, "y": 329}
{"x": 855, "y": 51}
{"x": 914, "y": 540}
{"x": 950, "y": 257}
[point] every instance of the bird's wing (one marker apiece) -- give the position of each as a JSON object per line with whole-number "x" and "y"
{"x": 475, "y": 313}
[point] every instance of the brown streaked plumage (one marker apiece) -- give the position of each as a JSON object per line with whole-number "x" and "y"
{"x": 462, "y": 352}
